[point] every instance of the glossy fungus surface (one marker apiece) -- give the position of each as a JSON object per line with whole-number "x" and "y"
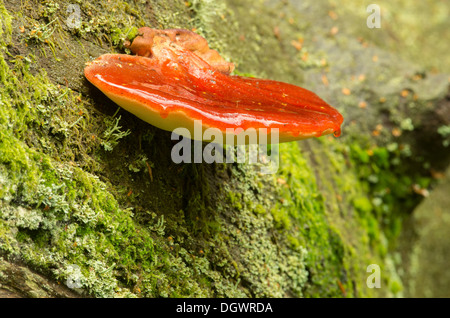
{"x": 176, "y": 79}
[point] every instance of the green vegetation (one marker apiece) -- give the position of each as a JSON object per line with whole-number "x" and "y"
{"x": 85, "y": 184}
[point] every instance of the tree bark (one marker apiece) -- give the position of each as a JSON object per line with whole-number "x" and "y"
{"x": 89, "y": 194}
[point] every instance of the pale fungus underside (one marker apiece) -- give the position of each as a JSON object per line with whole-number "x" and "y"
{"x": 175, "y": 79}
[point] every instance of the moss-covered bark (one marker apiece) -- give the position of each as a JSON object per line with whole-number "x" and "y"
{"x": 89, "y": 195}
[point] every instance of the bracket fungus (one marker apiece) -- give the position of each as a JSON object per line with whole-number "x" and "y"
{"x": 174, "y": 80}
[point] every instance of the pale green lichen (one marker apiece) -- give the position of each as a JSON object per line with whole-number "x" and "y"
{"x": 113, "y": 133}
{"x": 137, "y": 225}
{"x": 72, "y": 219}
{"x": 444, "y": 131}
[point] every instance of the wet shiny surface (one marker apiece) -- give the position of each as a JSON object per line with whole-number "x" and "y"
{"x": 183, "y": 83}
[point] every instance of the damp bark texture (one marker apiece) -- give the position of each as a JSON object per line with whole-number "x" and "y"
{"x": 92, "y": 205}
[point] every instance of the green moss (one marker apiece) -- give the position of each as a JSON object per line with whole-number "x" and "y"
{"x": 259, "y": 209}
{"x": 301, "y": 213}
{"x": 113, "y": 133}
{"x": 390, "y": 188}
{"x": 138, "y": 225}
{"x": 362, "y": 205}
{"x": 58, "y": 214}
{"x": 444, "y": 131}
{"x": 54, "y": 213}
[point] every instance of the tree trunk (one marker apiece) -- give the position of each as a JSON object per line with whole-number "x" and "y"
{"x": 91, "y": 199}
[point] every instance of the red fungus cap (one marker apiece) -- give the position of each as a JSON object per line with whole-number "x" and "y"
{"x": 176, "y": 79}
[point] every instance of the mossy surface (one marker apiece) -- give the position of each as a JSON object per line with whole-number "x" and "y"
{"x": 89, "y": 193}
